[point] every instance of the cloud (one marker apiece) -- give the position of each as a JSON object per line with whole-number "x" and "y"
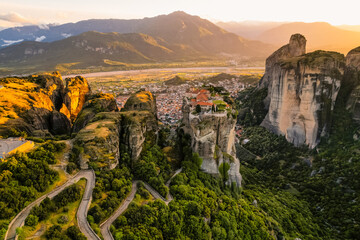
{"x": 39, "y": 39}
{"x": 15, "y": 18}
{"x": 10, "y": 42}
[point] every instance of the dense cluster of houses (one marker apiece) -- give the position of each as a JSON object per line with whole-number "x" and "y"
{"x": 169, "y": 98}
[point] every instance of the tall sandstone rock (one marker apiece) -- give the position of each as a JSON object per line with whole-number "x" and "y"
{"x": 296, "y": 47}
{"x": 352, "y": 83}
{"x": 100, "y": 102}
{"x": 111, "y": 137}
{"x": 76, "y": 92}
{"x": 41, "y": 104}
{"x": 213, "y": 138}
{"x": 302, "y": 91}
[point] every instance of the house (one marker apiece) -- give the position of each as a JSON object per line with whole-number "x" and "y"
{"x": 11, "y": 145}
{"x": 205, "y": 105}
{"x": 202, "y": 97}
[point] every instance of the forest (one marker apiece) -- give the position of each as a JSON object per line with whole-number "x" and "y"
{"x": 24, "y": 177}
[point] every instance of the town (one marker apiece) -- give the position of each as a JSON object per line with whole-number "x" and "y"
{"x": 169, "y": 98}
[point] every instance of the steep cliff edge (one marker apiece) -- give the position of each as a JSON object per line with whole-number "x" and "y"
{"x": 302, "y": 92}
{"x": 296, "y": 47}
{"x": 141, "y": 101}
{"x": 37, "y": 104}
{"x": 76, "y": 91}
{"x": 352, "y": 83}
{"x": 97, "y": 103}
{"x": 110, "y": 137}
{"x": 212, "y": 132}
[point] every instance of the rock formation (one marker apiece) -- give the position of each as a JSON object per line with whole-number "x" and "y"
{"x": 352, "y": 83}
{"x": 40, "y": 104}
{"x": 97, "y": 103}
{"x": 76, "y": 91}
{"x": 113, "y": 136}
{"x": 302, "y": 91}
{"x": 141, "y": 101}
{"x": 213, "y": 138}
{"x": 296, "y": 47}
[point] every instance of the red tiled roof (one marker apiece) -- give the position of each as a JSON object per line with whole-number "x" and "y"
{"x": 204, "y": 103}
{"x": 202, "y": 97}
{"x": 204, "y": 91}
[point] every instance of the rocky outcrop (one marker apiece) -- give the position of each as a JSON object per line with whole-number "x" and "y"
{"x": 302, "y": 92}
{"x": 352, "y": 83}
{"x": 59, "y": 123}
{"x": 141, "y": 101}
{"x": 97, "y": 103}
{"x": 213, "y": 138}
{"x": 135, "y": 129}
{"x": 111, "y": 137}
{"x": 353, "y": 59}
{"x": 296, "y": 47}
{"x": 40, "y": 104}
{"x": 76, "y": 92}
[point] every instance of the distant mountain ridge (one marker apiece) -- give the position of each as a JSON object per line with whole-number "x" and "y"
{"x": 177, "y": 27}
{"x": 321, "y": 35}
{"x": 165, "y": 38}
{"x": 248, "y": 29}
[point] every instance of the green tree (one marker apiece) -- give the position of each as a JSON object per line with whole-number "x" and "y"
{"x": 198, "y": 108}
{"x": 223, "y": 169}
{"x": 31, "y": 220}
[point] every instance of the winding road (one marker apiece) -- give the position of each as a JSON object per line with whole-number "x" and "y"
{"x": 81, "y": 215}
{"x": 84, "y": 226}
{"x": 105, "y": 226}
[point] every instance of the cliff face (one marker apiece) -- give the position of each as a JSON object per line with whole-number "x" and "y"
{"x": 302, "y": 92}
{"x": 36, "y": 104}
{"x": 141, "y": 101}
{"x": 76, "y": 91}
{"x": 296, "y": 47}
{"x": 113, "y": 136}
{"x": 97, "y": 103}
{"x": 138, "y": 123}
{"x": 352, "y": 82}
{"x": 213, "y": 138}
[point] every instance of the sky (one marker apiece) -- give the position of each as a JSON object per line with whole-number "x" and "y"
{"x": 24, "y": 12}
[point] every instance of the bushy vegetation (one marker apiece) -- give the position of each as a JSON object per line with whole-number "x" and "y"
{"x": 324, "y": 183}
{"x": 55, "y": 232}
{"x": 153, "y": 168}
{"x": 48, "y": 206}
{"x": 23, "y": 177}
{"x": 250, "y": 104}
{"x": 112, "y": 186}
{"x": 204, "y": 209}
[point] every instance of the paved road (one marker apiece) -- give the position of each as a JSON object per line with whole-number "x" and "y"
{"x": 169, "y": 196}
{"x": 105, "y": 226}
{"x": 84, "y": 207}
{"x": 19, "y": 219}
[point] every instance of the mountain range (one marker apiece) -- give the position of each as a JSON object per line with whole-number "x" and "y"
{"x": 165, "y": 38}
{"x": 176, "y": 37}
{"x": 320, "y": 35}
